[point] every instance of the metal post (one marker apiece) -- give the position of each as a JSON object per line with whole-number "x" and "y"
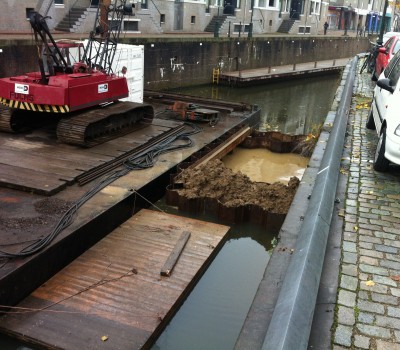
{"x": 383, "y": 22}
{"x": 240, "y": 28}
{"x": 216, "y": 29}
{"x": 250, "y": 34}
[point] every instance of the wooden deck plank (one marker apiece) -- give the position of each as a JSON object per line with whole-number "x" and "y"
{"x": 115, "y": 288}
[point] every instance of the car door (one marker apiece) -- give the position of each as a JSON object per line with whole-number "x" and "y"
{"x": 384, "y": 98}
{"x": 382, "y": 58}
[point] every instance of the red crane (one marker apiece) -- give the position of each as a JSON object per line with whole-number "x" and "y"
{"x": 85, "y": 93}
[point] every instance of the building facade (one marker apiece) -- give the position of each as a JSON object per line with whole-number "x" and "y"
{"x": 222, "y": 17}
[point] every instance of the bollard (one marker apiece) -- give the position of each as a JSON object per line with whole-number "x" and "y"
{"x": 250, "y": 34}
{"x": 334, "y": 62}
{"x": 269, "y": 69}
{"x": 216, "y": 29}
{"x": 294, "y": 66}
{"x": 315, "y": 64}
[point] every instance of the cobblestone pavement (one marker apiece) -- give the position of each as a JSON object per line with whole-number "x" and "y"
{"x": 367, "y": 313}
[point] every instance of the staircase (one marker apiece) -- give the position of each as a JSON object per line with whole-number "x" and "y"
{"x": 211, "y": 25}
{"x": 286, "y": 26}
{"x": 71, "y": 19}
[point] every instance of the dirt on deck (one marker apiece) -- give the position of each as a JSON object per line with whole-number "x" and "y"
{"x": 214, "y": 180}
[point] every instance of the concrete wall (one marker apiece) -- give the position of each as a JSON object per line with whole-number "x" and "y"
{"x": 177, "y": 62}
{"x": 183, "y": 62}
{"x": 16, "y": 20}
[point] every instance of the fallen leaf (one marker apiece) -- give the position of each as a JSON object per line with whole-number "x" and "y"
{"x": 104, "y": 338}
{"x": 395, "y": 278}
{"x": 370, "y": 283}
{"x": 355, "y": 228}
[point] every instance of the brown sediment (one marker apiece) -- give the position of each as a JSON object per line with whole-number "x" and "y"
{"x": 215, "y": 181}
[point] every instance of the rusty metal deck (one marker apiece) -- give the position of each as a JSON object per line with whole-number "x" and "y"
{"x": 26, "y": 217}
{"x": 36, "y": 162}
{"x": 115, "y": 289}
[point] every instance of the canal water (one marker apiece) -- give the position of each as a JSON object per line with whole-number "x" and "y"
{"x": 293, "y": 107}
{"x": 212, "y": 315}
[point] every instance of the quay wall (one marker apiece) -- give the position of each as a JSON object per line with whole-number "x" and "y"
{"x": 184, "y": 61}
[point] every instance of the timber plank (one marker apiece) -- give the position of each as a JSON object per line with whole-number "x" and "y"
{"x": 175, "y": 254}
{"x": 115, "y": 288}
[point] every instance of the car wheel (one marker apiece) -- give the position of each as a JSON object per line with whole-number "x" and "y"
{"x": 380, "y": 162}
{"x": 370, "y": 120}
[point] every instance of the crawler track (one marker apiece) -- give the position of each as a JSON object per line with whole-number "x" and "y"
{"x": 87, "y": 128}
{"x": 101, "y": 124}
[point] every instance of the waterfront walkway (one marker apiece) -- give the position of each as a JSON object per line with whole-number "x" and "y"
{"x": 367, "y": 313}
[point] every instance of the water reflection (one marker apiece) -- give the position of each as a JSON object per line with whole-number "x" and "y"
{"x": 293, "y": 107}
{"x": 213, "y": 314}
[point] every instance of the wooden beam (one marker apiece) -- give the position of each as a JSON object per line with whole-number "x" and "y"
{"x": 175, "y": 254}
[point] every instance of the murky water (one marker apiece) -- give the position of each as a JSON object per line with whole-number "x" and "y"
{"x": 262, "y": 165}
{"x": 293, "y": 107}
{"x": 212, "y": 315}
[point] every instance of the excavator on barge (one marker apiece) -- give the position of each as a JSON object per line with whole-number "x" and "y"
{"x": 82, "y": 93}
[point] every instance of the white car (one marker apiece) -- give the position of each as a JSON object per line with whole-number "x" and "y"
{"x": 384, "y": 115}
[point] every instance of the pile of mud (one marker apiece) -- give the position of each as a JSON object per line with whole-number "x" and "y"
{"x": 216, "y": 188}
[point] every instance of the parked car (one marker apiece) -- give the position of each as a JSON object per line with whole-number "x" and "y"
{"x": 388, "y": 35}
{"x": 385, "y": 54}
{"x": 384, "y": 115}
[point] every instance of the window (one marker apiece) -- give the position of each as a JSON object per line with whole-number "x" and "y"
{"x": 131, "y": 26}
{"x": 237, "y": 28}
{"x": 59, "y": 2}
{"x": 396, "y": 47}
{"x": 392, "y": 70}
{"x": 162, "y": 18}
{"x": 264, "y": 3}
{"x": 314, "y": 7}
{"x": 193, "y": 19}
{"x": 144, "y": 4}
{"x": 304, "y": 30}
{"x": 28, "y": 11}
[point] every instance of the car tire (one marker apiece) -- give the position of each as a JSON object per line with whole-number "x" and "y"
{"x": 370, "y": 124}
{"x": 380, "y": 162}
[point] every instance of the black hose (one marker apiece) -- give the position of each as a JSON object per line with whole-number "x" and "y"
{"x": 143, "y": 161}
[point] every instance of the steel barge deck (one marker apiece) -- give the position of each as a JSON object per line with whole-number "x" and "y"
{"x": 40, "y": 179}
